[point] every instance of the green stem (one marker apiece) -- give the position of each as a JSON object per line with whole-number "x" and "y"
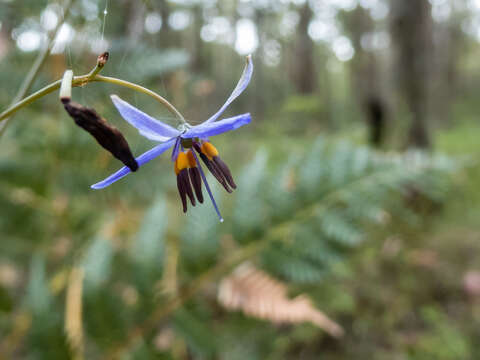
{"x": 82, "y": 81}
{"x": 29, "y": 99}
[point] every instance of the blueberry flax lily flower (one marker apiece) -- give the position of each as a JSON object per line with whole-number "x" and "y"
{"x": 187, "y": 141}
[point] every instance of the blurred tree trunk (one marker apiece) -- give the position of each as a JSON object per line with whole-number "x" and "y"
{"x": 165, "y": 30}
{"x": 304, "y": 75}
{"x": 5, "y": 41}
{"x": 449, "y": 40}
{"x": 135, "y": 22}
{"x": 325, "y": 89}
{"x": 411, "y": 28}
{"x": 197, "y": 46}
{"x": 366, "y": 74}
{"x": 260, "y": 104}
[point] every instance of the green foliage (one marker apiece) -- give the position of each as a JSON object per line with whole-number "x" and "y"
{"x": 147, "y": 249}
{"x": 38, "y": 294}
{"x": 332, "y": 193}
{"x": 325, "y": 201}
{"x": 443, "y": 342}
{"x": 200, "y": 241}
{"x": 340, "y": 222}
{"x": 195, "y": 332}
{"x": 307, "y": 104}
{"x": 249, "y": 214}
{"x": 97, "y": 263}
{"x": 310, "y": 206}
{"x": 145, "y": 63}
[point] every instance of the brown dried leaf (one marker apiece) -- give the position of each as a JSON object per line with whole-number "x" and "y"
{"x": 259, "y": 295}
{"x": 108, "y": 136}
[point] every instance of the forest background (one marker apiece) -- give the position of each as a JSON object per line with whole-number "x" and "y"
{"x": 354, "y": 230}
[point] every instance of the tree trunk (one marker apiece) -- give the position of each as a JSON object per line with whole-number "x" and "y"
{"x": 165, "y": 31}
{"x": 304, "y": 68}
{"x": 197, "y": 62}
{"x": 135, "y": 23}
{"x": 411, "y": 25}
{"x": 367, "y": 75}
{"x": 260, "y": 81}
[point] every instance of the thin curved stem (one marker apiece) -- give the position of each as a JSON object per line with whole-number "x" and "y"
{"x": 144, "y": 90}
{"x": 29, "y": 99}
{"x": 82, "y": 81}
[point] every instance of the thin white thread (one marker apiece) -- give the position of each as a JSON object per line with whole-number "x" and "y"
{"x": 105, "y": 12}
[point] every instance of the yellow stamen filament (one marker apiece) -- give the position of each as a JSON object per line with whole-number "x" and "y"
{"x": 181, "y": 162}
{"x": 209, "y": 150}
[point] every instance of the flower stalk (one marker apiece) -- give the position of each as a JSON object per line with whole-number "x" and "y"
{"x": 83, "y": 80}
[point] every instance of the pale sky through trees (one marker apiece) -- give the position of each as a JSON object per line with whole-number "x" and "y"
{"x": 243, "y": 35}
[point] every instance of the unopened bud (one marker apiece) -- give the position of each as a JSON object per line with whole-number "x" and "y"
{"x": 102, "y": 59}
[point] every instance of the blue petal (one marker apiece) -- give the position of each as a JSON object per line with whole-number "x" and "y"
{"x": 241, "y": 85}
{"x": 142, "y": 159}
{"x": 147, "y": 126}
{"x": 205, "y": 130}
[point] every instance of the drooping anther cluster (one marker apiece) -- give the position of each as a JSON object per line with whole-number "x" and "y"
{"x": 189, "y": 172}
{"x": 209, "y": 155}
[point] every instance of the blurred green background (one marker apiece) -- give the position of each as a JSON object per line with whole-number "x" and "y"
{"x": 354, "y": 230}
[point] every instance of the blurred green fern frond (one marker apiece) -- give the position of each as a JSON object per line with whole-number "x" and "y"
{"x": 335, "y": 192}
{"x": 296, "y": 219}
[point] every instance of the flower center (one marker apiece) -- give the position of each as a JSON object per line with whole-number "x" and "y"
{"x": 187, "y": 143}
{"x": 184, "y": 127}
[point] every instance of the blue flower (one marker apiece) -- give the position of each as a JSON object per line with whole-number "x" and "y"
{"x": 195, "y": 139}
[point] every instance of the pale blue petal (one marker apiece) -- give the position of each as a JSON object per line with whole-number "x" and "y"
{"x": 205, "y": 130}
{"x": 147, "y": 126}
{"x": 141, "y": 160}
{"x": 152, "y": 136}
{"x": 241, "y": 85}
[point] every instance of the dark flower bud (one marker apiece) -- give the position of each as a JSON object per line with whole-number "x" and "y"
{"x": 102, "y": 59}
{"x": 108, "y": 136}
